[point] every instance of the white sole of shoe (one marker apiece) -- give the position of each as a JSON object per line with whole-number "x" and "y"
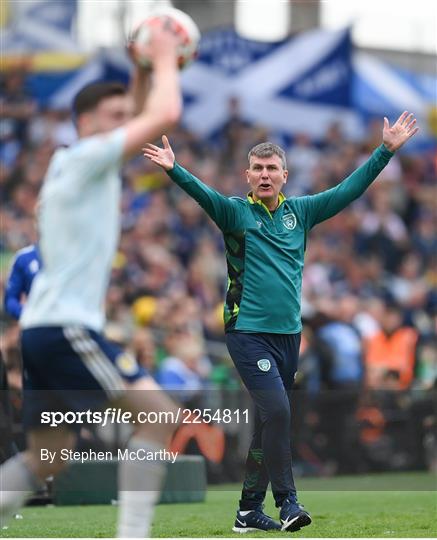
{"x": 243, "y": 530}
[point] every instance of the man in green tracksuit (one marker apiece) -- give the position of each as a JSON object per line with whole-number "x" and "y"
{"x": 265, "y": 237}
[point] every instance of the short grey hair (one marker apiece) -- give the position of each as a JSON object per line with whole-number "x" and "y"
{"x": 266, "y": 150}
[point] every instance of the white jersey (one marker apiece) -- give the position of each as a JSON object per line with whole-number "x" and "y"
{"x": 79, "y": 224}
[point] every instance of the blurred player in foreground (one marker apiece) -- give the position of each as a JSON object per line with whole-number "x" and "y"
{"x": 68, "y": 364}
{"x": 265, "y": 237}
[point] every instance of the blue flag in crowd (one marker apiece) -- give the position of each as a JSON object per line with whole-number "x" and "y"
{"x": 302, "y": 83}
{"x": 40, "y": 25}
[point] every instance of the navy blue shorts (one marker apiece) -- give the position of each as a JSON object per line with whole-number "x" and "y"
{"x": 71, "y": 369}
{"x": 265, "y": 361}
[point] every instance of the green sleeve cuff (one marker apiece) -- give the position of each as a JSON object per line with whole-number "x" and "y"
{"x": 174, "y": 170}
{"x": 385, "y": 151}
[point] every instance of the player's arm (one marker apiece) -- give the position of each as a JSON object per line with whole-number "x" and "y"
{"x": 220, "y": 208}
{"x": 160, "y": 109}
{"x": 140, "y": 83}
{"x": 162, "y": 105}
{"x": 14, "y": 289}
{"x": 324, "y": 205}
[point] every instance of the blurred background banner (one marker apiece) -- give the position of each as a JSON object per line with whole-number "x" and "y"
{"x": 272, "y": 82}
{"x": 38, "y": 25}
{"x": 380, "y": 89}
{"x": 57, "y": 88}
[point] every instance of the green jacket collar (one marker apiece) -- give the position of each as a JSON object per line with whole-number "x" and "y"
{"x": 250, "y": 198}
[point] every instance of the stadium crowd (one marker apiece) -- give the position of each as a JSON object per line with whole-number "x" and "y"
{"x": 368, "y": 356}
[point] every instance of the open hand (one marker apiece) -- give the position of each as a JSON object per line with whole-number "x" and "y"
{"x": 403, "y": 129}
{"x": 164, "y": 157}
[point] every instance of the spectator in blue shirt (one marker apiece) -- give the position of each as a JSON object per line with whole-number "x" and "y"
{"x": 340, "y": 401}
{"x": 184, "y": 373}
{"x": 25, "y": 267}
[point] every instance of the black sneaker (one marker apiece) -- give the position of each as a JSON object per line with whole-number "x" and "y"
{"x": 293, "y": 515}
{"x": 254, "y": 520}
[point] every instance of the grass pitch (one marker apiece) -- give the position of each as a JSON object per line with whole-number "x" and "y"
{"x": 337, "y": 511}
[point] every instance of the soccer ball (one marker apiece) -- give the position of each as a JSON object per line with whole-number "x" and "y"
{"x": 175, "y": 20}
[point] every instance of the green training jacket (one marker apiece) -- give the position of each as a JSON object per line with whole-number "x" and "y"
{"x": 265, "y": 250}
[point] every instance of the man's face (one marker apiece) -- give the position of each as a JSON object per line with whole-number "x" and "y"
{"x": 110, "y": 113}
{"x": 392, "y": 320}
{"x": 266, "y": 177}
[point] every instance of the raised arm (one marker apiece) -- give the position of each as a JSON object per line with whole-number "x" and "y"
{"x": 322, "y": 206}
{"x": 221, "y": 209}
{"x": 162, "y": 105}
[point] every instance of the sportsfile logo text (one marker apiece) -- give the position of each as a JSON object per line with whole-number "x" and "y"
{"x": 113, "y": 415}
